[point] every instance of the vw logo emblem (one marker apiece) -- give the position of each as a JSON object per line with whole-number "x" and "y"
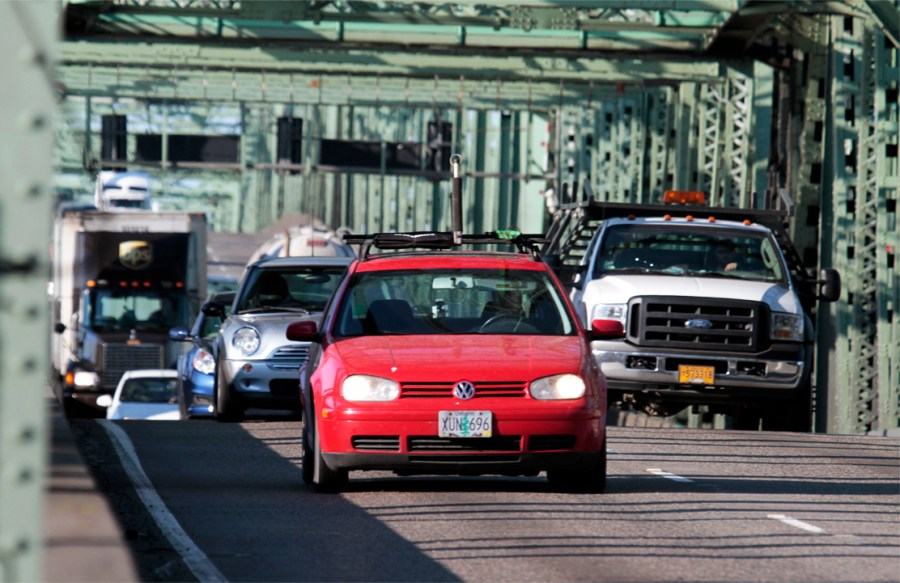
{"x": 464, "y": 390}
{"x": 701, "y": 324}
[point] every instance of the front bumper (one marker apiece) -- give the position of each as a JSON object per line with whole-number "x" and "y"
{"x": 262, "y": 383}
{"x": 524, "y": 441}
{"x": 779, "y": 370}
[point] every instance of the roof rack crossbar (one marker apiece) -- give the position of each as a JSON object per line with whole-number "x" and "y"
{"x": 524, "y": 243}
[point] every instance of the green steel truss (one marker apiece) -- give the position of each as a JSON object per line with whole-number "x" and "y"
{"x": 745, "y": 100}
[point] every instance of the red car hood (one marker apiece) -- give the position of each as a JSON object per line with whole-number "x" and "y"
{"x": 451, "y": 358}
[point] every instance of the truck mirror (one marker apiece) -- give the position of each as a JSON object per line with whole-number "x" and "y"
{"x": 59, "y": 328}
{"x": 179, "y": 333}
{"x": 830, "y": 282}
{"x": 602, "y": 329}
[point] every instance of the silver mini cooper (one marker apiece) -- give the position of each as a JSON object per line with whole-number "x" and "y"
{"x": 256, "y": 365}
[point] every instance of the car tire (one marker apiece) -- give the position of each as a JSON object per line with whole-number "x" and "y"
{"x": 325, "y": 479}
{"x": 589, "y": 481}
{"x": 226, "y": 408}
{"x": 307, "y": 461}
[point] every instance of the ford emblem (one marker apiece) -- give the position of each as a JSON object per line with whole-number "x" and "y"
{"x": 700, "y": 324}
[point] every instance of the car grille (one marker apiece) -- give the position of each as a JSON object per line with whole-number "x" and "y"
{"x": 734, "y": 325}
{"x": 376, "y": 442}
{"x": 551, "y": 442}
{"x": 426, "y": 390}
{"x": 497, "y": 443}
{"x": 118, "y": 358}
{"x": 289, "y": 357}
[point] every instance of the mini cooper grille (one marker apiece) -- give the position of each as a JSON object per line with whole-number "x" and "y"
{"x": 445, "y": 390}
{"x": 550, "y": 442}
{"x": 496, "y": 443}
{"x": 376, "y": 442}
{"x": 720, "y": 325}
{"x": 289, "y": 357}
{"x": 118, "y": 358}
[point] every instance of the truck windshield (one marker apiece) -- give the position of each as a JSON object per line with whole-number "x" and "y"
{"x": 453, "y": 301}
{"x": 676, "y": 249}
{"x": 125, "y": 309}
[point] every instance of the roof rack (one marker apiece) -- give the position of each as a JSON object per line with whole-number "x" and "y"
{"x": 528, "y": 244}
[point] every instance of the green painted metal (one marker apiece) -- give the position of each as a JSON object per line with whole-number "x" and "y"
{"x": 27, "y": 49}
{"x": 863, "y": 178}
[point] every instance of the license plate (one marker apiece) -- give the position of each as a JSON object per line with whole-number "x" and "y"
{"x": 465, "y": 423}
{"x": 696, "y": 375}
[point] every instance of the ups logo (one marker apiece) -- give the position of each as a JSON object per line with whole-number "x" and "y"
{"x": 135, "y": 254}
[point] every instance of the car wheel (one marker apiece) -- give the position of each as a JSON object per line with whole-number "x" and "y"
{"x": 307, "y": 461}
{"x": 589, "y": 481}
{"x": 226, "y": 408}
{"x": 324, "y": 479}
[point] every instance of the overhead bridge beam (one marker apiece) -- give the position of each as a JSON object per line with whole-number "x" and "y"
{"x": 306, "y": 75}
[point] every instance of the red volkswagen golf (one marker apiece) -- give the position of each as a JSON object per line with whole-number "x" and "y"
{"x": 449, "y": 361}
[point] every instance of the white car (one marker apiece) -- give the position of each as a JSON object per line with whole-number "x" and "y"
{"x": 144, "y": 394}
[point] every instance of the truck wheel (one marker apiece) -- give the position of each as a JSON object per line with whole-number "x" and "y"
{"x": 795, "y": 414}
{"x": 590, "y": 481}
{"x": 324, "y": 479}
{"x": 226, "y": 409}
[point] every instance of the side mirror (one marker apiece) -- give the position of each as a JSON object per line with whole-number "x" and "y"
{"x": 104, "y": 400}
{"x": 213, "y": 310}
{"x": 59, "y": 328}
{"x": 305, "y": 331}
{"x": 830, "y": 282}
{"x": 179, "y": 333}
{"x": 607, "y": 329}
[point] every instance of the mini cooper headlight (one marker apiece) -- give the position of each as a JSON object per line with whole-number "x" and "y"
{"x": 204, "y": 362}
{"x": 558, "y": 387}
{"x": 787, "y": 327}
{"x": 246, "y": 340}
{"x": 368, "y": 388}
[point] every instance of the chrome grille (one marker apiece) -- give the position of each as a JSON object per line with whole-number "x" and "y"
{"x": 734, "y": 325}
{"x": 419, "y": 390}
{"x": 118, "y": 358}
{"x": 289, "y": 357}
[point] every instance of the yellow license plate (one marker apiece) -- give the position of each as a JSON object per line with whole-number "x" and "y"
{"x": 696, "y": 375}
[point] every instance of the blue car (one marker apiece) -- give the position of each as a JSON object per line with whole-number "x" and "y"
{"x": 197, "y": 365}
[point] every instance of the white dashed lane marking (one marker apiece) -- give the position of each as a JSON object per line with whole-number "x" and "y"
{"x": 797, "y": 523}
{"x": 668, "y": 476}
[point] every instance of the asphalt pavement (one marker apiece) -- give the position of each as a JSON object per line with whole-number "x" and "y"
{"x": 83, "y": 541}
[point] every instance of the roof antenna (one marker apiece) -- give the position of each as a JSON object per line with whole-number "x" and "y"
{"x": 456, "y": 199}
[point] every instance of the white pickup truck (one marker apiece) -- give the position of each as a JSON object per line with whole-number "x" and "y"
{"x": 714, "y": 307}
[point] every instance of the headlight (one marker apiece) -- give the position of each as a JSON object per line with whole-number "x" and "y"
{"x": 86, "y": 380}
{"x": 562, "y": 386}
{"x": 609, "y": 312}
{"x": 367, "y": 388}
{"x": 204, "y": 362}
{"x": 246, "y": 340}
{"x": 787, "y": 327}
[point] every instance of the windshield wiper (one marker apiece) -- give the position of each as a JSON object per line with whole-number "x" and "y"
{"x": 269, "y": 309}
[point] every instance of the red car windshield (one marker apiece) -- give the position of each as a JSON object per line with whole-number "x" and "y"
{"x": 453, "y": 301}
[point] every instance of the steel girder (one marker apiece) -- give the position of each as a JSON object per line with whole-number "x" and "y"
{"x": 862, "y": 167}
{"x": 27, "y": 48}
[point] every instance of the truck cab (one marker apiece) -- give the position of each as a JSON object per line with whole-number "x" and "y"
{"x": 714, "y": 308}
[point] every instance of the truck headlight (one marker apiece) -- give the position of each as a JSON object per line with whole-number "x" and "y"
{"x": 362, "y": 387}
{"x": 83, "y": 379}
{"x": 246, "y": 340}
{"x": 204, "y": 362}
{"x": 787, "y": 327}
{"x": 609, "y": 312}
{"x": 558, "y": 387}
